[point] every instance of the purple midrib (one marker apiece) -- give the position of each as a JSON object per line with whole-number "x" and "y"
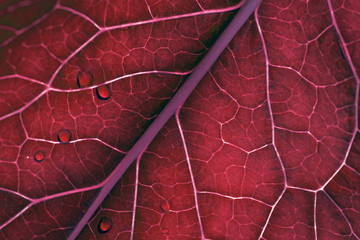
{"x": 177, "y": 101}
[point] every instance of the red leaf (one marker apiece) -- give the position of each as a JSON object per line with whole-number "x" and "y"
{"x": 266, "y": 147}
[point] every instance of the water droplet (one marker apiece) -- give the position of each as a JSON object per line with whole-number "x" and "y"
{"x": 64, "y": 136}
{"x": 105, "y": 224}
{"x": 84, "y": 207}
{"x": 165, "y": 230}
{"x": 165, "y": 206}
{"x": 84, "y": 79}
{"x": 103, "y": 92}
{"x": 39, "y": 156}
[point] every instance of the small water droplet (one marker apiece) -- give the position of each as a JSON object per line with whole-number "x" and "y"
{"x": 165, "y": 206}
{"x": 103, "y": 92}
{"x": 39, "y": 156}
{"x": 105, "y": 224}
{"x": 84, "y": 79}
{"x": 84, "y": 207}
{"x": 64, "y": 136}
{"x": 165, "y": 230}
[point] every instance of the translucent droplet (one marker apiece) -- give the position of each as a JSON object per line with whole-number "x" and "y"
{"x": 84, "y": 207}
{"x": 105, "y": 224}
{"x": 165, "y": 230}
{"x": 103, "y": 92}
{"x": 39, "y": 156}
{"x": 84, "y": 79}
{"x": 64, "y": 136}
{"x": 165, "y": 206}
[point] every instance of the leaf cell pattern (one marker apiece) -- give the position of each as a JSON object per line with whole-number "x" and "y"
{"x": 266, "y": 147}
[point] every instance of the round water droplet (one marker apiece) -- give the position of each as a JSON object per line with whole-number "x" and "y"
{"x": 165, "y": 230}
{"x": 165, "y": 206}
{"x": 64, "y": 136}
{"x": 39, "y": 156}
{"x": 84, "y": 207}
{"x": 105, "y": 224}
{"x": 103, "y": 92}
{"x": 84, "y": 79}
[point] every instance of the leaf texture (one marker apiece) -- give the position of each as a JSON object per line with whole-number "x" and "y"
{"x": 266, "y": 147}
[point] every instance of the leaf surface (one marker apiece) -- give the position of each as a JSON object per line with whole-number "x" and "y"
{"x": 266, "y": 146}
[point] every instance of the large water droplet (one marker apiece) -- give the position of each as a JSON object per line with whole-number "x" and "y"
{"x": 165, "y": 206}
{"x": 39, "y": 156}
{"x": 105, "y": 224}
{"x": 84, "y": 79}
{"x": 64, "y": 136}
{"x": 103, "y": 92}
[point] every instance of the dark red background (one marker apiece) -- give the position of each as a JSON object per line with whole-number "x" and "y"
{"x": 266, "y": 147}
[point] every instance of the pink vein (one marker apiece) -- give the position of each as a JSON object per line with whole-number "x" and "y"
{"x": 272, "y": 122}
{"x": 190, "y": 171}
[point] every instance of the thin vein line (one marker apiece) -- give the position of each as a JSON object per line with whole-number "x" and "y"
{"x": 191, "y": 173}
